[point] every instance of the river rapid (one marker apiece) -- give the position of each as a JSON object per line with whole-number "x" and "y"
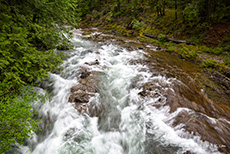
{"x": 117, "y": 96}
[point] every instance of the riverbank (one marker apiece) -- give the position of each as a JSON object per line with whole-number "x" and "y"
{"x": 213, "y": 59}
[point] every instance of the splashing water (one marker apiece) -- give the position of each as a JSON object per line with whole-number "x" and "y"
{"x": 125, "y": 122}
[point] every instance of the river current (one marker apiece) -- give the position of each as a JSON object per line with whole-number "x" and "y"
{"x": 122, "y": 115}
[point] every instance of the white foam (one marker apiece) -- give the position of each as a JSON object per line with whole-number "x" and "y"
{"x": 67, "y": 131}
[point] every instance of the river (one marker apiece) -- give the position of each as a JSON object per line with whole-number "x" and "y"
{"x": 121, "y": 98}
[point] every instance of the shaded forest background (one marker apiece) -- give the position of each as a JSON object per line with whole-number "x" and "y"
{"x": 32, "y": 30}
{"x": 178, "y": 18}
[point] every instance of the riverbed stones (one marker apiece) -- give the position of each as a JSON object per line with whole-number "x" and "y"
{"x": 82, "y": 94}
{"x": 80, "y": 97}
{"x": 96, "y": 62}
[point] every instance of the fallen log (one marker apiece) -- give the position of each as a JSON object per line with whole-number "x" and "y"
{"x": 168, "y": 39}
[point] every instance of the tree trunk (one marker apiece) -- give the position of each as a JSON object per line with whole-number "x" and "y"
{"x": 164, "y": 7}
{"x": 168, "y": 39}
{"x": 208, "y": 11}
{"x": 157, "y": 7}
{"x": 175, "y": 9}
{"x": 118, "y": 5}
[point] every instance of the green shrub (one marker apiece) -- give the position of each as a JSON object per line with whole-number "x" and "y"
{"x": 209, "y": 63}
{"x": 187, "y": 54}
{"x": 218, "y": 51}
{"x": 136, "y": 24}
{"x": 16, "y": 120}
{"x": 206, "y": 49}
{"x": 227, "y": 61}
{"x": 161, "y": 37}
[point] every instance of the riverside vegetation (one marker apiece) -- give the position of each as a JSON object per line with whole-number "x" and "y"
{"x": 31, "y": 30}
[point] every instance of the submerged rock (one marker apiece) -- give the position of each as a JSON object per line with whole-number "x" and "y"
{"x": 82, "y": 93}
{"x": 192, "y": 110}
{"x": 84, "y": 75}
{"x": 93, "y": 63}
{"x": 80, "y": 97}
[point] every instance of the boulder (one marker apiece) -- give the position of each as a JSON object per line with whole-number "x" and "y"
{"x": 202, "y": 115}
{"x": 87, "y": 88}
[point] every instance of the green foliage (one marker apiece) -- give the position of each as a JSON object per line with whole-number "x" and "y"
{"x": 28, "y": 39}
{"x": 227, "y": 61}
{"x": 16, "y": 119}
{"x": 225, "y": 45}
{"x": 187, "y": 54}
{"x": 136, "y": 24}
{"x": 218, "y": 51}
{"x": 109, "y": 16}
{"x": 209, "y": 63}
{"x": 161, "y": 37}
{"x": 191, "y": 14}
{"x": 29, "y": 33}
{"x": 215, "y": 51}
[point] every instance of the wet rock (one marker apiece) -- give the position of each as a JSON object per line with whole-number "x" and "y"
{"x": 201, "y": 115}
{"x": 226, "y": 72}
{"x": 80, "y": 97}
{"x": 221, "y": 79}
{"x": 84, "y": 75}
{"x": 153, "y": 91}
{"x": 82, "y": 93}
{"x": 140, "y": 48}
{"x": 93, "y": 63}
{"x": 118, "y": 50}
{"x": 188, "y": 152}
{"x": 86, "y": 52}
{"x": 128, "y": 47}
{"x": 158, "y": 48}
{"x": 211, "y": 130}
{"x": 143, "y": 93}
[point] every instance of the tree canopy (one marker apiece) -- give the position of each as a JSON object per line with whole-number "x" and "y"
{"x": 210, "y": 11}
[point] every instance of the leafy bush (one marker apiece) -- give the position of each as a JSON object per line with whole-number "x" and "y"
{"x": 209, "y": 63}
{"x": 161, "y": 37}
{"x": 227, "y": 61}
{"x": 187, "y": 54}
{"x": 136, "y": 24}
{"x": 191, "y": 14}
{"x": 16, "y": 119}
{"x": 218, "y": 51}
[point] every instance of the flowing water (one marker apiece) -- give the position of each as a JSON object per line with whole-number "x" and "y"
{"x": 127, "y": 112}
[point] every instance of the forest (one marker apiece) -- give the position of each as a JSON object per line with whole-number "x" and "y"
{"x": 32, "y": 31}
